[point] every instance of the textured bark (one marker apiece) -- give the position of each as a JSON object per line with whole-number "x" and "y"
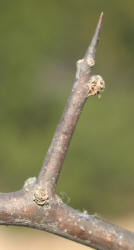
{"x": 37, "y": 204}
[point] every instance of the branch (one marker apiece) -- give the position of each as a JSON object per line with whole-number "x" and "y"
{"x": 52, "y": 165}
{"x": 37, "y": 204}
{"x": 19, "y": 209}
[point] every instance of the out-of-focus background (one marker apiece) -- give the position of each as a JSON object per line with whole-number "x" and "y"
{"x": 40, "y": 42}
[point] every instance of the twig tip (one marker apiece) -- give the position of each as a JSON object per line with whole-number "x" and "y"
{"x": 92, "y": 47}
{"x": 101, "y": 17}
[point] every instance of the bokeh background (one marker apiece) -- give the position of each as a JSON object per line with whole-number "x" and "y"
{"x": 40, "y": 42}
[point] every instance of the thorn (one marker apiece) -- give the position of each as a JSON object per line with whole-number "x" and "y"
{"x": 92, "y": 47}
{"x": 101, "y": 17}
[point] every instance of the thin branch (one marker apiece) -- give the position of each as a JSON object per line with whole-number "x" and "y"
{"x": 52, "y": 165}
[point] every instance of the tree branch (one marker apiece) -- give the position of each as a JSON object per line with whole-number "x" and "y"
{"x": 37, "y": 204}
{"x": 19, "y": 209}
{"x": 52, "y": 165}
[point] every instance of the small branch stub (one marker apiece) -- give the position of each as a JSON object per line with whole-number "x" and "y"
{"x": 96, "y": 86}
{"x": 29, "y": 183}
{"x": 90, "y": 61}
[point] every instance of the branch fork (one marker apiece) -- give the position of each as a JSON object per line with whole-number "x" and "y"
{"x": 37, "y": 205}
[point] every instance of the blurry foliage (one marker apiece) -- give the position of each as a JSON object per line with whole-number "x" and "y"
{"x": 40, "y": 42}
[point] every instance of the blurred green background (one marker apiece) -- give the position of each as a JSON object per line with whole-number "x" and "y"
{"x": 40, "y": 42}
